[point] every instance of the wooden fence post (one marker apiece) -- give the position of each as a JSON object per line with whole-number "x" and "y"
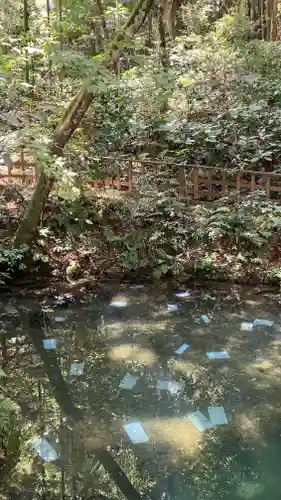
{"x": 253, "y": 183}
{"x": 130, "y": 176}
{"x": 238, "y": 184}
{"x": 22, "y": 165}
{"x": 210, "y": 185}
{"x": 196, "y": 182}
{"x": 267, "y": 187}
{"x": 182, "y": 182}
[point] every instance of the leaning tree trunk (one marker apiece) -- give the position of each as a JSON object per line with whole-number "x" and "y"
{"x": 64, "y": 131}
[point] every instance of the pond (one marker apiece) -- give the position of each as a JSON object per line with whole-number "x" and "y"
{"x": 203, "y": 426}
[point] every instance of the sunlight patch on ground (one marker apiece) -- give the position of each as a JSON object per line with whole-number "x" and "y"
{"x": 179, "y": 433}
{"x": 248, "y": 426}
{"x": 130, "y": 353}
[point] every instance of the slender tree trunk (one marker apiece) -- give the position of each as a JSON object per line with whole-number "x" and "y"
{"x": 64, "y": 131}
{"x": 26, "y": 30}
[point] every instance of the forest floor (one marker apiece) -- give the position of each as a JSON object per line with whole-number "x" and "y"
{"x": 82, "y": 243}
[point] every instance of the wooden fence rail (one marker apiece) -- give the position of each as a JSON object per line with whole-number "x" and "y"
{"x": 197, "y": 182}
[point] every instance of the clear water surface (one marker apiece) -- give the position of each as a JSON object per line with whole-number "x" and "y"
{"x": 234, "y": 460}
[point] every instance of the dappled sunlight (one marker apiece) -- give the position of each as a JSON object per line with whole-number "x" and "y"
{"x": 248, "y": 426}
{"x": 178, "y": 432}
{"x": 130, "y": 353}
{"x": 184, "y": 367}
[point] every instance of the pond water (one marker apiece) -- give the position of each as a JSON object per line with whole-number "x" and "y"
{"x": 136, "y": 331}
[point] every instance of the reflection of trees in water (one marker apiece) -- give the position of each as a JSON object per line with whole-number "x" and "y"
{"x": 76, "y": 415}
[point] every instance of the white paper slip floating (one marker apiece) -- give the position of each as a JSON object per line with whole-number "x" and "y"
{"x": 182, "y": 348}
{"x": 218, "y": 355}
{"x": 182, "y": 294}
{"x": 119, "y": 303}
{"x": 49, "y": 343}
{"x": 262, "y": 322}
{"x": 172, "y": 307}
{"x": 199, "y": 421}
{"x": 76, "y": 369}
{"x": 172, "y": 386}
{"x": 205, "y": 318}
{"x": 136, "y": 433}
{"x": 60, "y": 319}
{"x": 128, "y": 382}
{"x": 44, "y": 449}
{"x": 246, "y": 327}
{"x": 217, "y": 415}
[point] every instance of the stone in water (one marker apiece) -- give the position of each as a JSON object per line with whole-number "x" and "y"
{"x": 136, "y": 433}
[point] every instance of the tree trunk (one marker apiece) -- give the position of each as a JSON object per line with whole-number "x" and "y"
{"x": 64, "y": 131}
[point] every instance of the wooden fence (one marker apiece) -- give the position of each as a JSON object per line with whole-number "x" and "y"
{"x": 197, "y": 182}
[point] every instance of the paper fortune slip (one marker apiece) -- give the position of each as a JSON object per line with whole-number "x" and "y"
{"x": 218, "y": 355}
{"x": 205, "y": 318}
{"x": 60, "y": 319}
{"x": 128, "y": 382}
{"x": 217, "y": 415}
{"x": 246, "y": 327}
{"x": 172, "y": 307}
{"x": 49, "y": 343}
{"x": 136, "y": 433}
{"x": 262, "y": 322}
{"x": 44, "y": 449}
{"x": 199, "y": 421}
{"x": 76, "y": 369}
{"x": 182, "y": 294}
{"x": 171, "y": 386}
{"x": 182, "y": 348}
{"x": 119, "y": 303}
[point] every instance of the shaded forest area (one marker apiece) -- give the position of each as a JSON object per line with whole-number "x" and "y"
{"x": 189, "y": 82}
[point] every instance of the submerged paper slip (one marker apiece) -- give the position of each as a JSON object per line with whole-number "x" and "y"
{"x": 205, "y": 318}
{"x": 119, "y": 303}
{"x": 182, "y": 294}
{"x": 246, "y": 327}
{"x": 128, "y": 382}
{"x": 172, "y": 307}
{"x": 49, "y": 343}
{"x": 60, "y": 319}
{"x": 171, "y": 386}
{"x": 217, "y": 415}
{"x": 199, "y": 421}
{"x": 136, "y": 433}
{"x": 218, "y": 355}
{"x": 262, "y": 322}
{"x": 44, "y": 449}
{"x": 182, "y": 348}
{"x": 76, "y": 369}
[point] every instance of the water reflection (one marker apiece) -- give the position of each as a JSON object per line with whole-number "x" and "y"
{"x": 81, "y": 416}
